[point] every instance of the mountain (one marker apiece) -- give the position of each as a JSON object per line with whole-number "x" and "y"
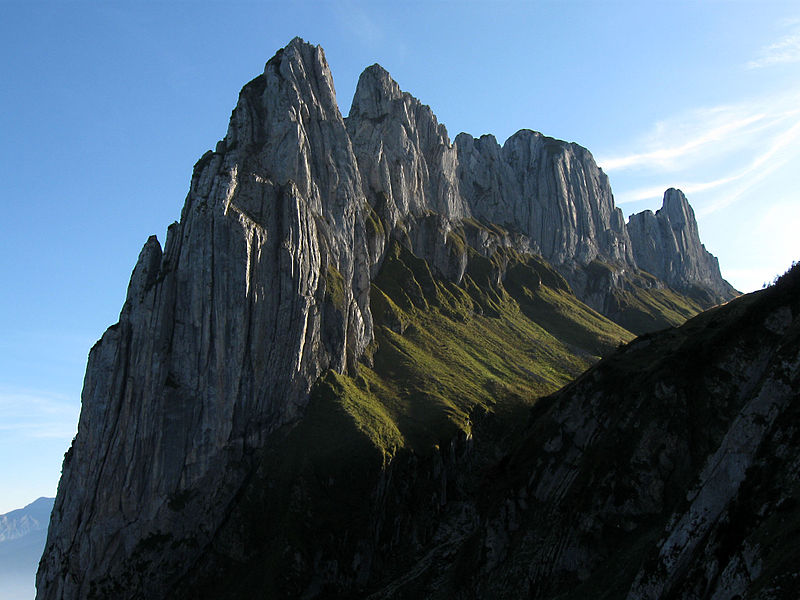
{"x": 668, "y": 470}
{"x": 344, "y": 332}
{"x": 667, "y": 245}
{"x": 22, "y": 538}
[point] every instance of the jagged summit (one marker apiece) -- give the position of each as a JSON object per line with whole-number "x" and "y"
{"x": 312, "y": 248}
{"x": 677, "y": 206}
{"x": 667, "y": 244}
{"x": 375, "y": 92}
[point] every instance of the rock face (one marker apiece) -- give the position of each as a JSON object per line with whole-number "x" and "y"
{"x": 261, "y": 287}
{"x": 404, "y": 154}
{"x": 264, "y": 285}
{"x": 551, "y": 190}
{"x": 667, "y": 245}
{"x": 669, "y": 470}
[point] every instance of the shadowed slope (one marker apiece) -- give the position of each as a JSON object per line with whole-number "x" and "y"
{"x": 355, "y": 489}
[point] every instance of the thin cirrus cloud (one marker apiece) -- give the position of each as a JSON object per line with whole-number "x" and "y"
{"x": 34, "y": 414}
{"x": 359, "y": 22}
{"x": 785, "y": 50}
{"x": 665, "y": 157}
{"x": 783, "y": 148}
{"x": 770, "y": 159}
{"x": 728, "y": 148}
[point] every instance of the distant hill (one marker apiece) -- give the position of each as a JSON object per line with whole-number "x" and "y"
{"x": 22, "y": 536}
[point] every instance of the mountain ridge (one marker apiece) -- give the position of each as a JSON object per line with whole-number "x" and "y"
{"x": 22, "y": 539}
{"x": 266, "y": 289}
{"x": 32, "y": 517}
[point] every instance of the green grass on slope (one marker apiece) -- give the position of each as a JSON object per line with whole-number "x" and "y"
{"x": 442, "y": 353}
{"x": 644, "y": 310}
{"x": 441, "y": 349}
{"x": 644, "y": 304}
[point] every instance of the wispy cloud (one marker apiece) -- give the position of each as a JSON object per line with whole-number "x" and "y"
{"x": 37, "y": 414}
{"x": 771, "y": 156}
{"x": 665, "y": 156}
{"x": 353, "y": 17}
{"x": 705, "y": 133}
{"x": 688, "y": 188}
{"x": 774, "y": 157}
{"x": 785, "y": 50}
{"x": 725, "y": 149}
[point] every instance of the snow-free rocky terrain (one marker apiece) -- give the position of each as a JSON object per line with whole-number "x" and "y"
{"x": 334, "y": 378}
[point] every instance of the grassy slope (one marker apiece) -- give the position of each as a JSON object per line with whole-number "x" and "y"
{"x": 441, "y": 350}
{"x": 644, "y": 304}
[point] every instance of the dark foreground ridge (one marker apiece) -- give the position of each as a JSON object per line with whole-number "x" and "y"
{"x": 311, "y": 384}
{"x": 669, "y": 470}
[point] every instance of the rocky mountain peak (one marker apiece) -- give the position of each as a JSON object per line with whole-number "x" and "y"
{"x": 264, "y": 287}
{"x": 306, "y": 66}
{"x": 375, "y": 92}
{"x": 19, "y": 523}
{"x": 677, "y": 209}
{"x": 667, "y": 244}
{"x": 404, "y": 154}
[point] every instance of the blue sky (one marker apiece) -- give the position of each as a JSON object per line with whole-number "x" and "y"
{"x": 105, "y": 107}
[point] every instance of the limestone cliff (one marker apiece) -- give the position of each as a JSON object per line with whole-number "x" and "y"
{"x": 261, "y": 287}
{"x": 551, "y": 190}
{"x": 668, "y": 245}
{"x": 268, "y": 282}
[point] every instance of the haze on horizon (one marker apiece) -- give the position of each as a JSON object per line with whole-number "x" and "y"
{"x": 107, "y": 107}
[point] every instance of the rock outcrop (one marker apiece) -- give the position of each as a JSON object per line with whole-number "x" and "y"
{"x": 548, "y": 189}
{"x": 261, "y": 287}
{"x": 264, "y": 286}
{"x": 668, "y": 245}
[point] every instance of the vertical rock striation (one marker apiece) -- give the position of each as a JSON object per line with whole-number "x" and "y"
{"x": 550, "y": 190}
{"x": 404, "y": 154}
{"x": 264, "y": 285}
{"x": 260, "y": 287}
{"x": 668, "y": 245}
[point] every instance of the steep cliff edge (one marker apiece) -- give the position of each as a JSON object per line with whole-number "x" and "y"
{"x": 261, "y": 287}
{"x": 256, "y": 322}
{"x": 551, "y": 190}
{"x": 668, "y": 245}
